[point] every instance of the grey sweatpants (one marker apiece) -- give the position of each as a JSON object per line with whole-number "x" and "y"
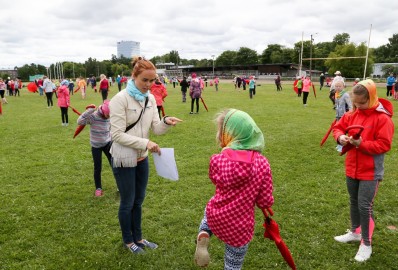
{"x": 362, "y": 194}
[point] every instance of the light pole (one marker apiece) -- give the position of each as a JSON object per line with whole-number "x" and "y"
{"x": 311, "y": 55}
{"x": 213, "y": 64}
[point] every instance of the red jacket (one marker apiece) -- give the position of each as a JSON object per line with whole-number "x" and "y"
{"x": 367, "y": 161}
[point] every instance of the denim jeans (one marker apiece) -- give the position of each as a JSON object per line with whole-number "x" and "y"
{"x": 132, "y": 183}
{"x": 97, "y": 159}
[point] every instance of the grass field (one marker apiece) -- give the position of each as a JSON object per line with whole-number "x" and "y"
{"x": 49, "y": 218}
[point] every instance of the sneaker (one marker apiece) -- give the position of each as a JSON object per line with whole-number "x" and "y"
{"x": 363, "y": 253}
{"x": 202, "y": 257}
{"x": 146, "y": 244}
{"x": 348, "y": 237}
{"x": 191, "y": 113}
{"x": 98, "y": 192}
{"x": 135, "y": 249}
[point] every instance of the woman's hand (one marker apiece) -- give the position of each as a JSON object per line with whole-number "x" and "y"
{"x": 170, "y": 120}
{"x": 153, "y": 147}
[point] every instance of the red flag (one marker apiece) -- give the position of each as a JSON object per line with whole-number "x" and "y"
{"x": 77, "y": 89}
{"x": 272, "y": 232}
{"x": 1, "y": 108}
{"x": 295, "y": 88}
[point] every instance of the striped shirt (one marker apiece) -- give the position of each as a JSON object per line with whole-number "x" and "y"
{"x": 100, "y": 127}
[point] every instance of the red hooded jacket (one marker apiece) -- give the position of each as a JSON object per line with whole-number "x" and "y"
{"x": 367, "y": 161}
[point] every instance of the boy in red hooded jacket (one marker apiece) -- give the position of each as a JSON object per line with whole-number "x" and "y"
{"x": 365, "y": 161}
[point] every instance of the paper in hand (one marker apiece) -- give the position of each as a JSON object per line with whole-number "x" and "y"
{"x": 165, "y": 164}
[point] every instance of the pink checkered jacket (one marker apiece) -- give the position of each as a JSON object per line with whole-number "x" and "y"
{"x": 243, "y": 179}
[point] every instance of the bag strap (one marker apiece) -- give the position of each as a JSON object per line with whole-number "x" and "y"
{"x": 142, "y": 112}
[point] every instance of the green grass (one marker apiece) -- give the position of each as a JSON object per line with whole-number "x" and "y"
{"x": 49, "y": 218}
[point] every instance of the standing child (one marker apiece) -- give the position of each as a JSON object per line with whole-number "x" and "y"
{"x": 100, "y": 138}
{"x": 364, "y": 164}
{"x": 216, "y": 82}
{"x": 64, "y": 101}
{"x": 343, "y": 104}
{"x": 160, "y": 93}
{"x": 342, "y": 99}
{"x": 252, "y": 85}
{"x": 184, "y": 88}
{"x": 306, "y": 89}
{"x": 243, "y": 179}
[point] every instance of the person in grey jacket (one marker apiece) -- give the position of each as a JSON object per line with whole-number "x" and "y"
{"x": 48, "y": 87}
{"x": 130, "y": 149}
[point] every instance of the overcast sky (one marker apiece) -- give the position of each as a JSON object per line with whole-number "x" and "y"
{"x": 44, "y": 32}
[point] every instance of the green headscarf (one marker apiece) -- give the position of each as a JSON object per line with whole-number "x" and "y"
{"x": 240, "y": 132}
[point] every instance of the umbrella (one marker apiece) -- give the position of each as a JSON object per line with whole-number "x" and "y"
{"x": 272, "y": 232}
{"x": 356, "y": 136}
{"x": 81, "y": 127}
{"x": 313, "y": 89}
{"x": 328, "y": 132}
{"x": 75, "y": 111}
{"x": 204, "y": 104}
{"x": 32, "y": 87}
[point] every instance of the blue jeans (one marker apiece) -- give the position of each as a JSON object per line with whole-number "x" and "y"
{"x": 132, "y": 183}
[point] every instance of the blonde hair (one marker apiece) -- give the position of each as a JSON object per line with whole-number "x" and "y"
{"x": 219, "y": 120}
{"x": 140, "y": 64}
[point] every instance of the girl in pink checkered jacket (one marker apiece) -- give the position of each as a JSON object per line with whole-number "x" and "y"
{"x": 243, "y": 179}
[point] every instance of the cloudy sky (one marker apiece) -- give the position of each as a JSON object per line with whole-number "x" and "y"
{"x": 44, "y": 32}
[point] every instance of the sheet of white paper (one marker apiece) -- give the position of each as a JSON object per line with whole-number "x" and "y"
{"x": 165, "y": 164}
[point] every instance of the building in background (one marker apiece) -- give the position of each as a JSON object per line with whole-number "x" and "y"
{"x": 128, "y": 49}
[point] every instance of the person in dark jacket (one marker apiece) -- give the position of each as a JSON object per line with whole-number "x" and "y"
{"x": 184, "y": 88}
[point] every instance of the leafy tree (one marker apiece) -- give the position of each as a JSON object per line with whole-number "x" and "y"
{"x": 227, "y": 58}
{"x": 341, "y": 39}
{"x": 246, "y": 56}
{"x": 266, "y": 56}
{"x": 351, "y": 68}
{"x": 387, "y": 69}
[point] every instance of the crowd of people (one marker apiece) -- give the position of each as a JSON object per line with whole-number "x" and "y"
{"x": 120, "y": 128}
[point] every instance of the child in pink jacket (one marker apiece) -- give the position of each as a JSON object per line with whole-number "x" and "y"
{"x": 64, "y": 101}
{"x": 243, "y": 179}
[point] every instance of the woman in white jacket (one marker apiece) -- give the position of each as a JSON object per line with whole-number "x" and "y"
{"x": 130, "y": 148}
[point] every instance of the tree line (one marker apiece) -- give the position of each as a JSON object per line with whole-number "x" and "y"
{"x": 339, "y": 47}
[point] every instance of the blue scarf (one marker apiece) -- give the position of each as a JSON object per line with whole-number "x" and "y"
{"x": 135, "y": 92}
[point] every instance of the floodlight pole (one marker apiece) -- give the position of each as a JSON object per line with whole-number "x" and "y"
{"x": 213, "y": 64}
{"x": 311, "y": 55}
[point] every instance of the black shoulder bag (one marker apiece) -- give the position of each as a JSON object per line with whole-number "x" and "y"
{"x": 142, "y": 112}
{"x": 133, "y": 124}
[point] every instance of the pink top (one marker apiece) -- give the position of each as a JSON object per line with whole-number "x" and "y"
{"x": 63, "y": 96}
{"x": 243, "y": 179}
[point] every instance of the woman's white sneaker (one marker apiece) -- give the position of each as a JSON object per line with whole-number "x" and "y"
{"x": 363, "y": 253}
{"x": 348, "y": 237}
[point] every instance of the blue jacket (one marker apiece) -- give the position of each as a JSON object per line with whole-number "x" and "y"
{"x": 390, "y": 80}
